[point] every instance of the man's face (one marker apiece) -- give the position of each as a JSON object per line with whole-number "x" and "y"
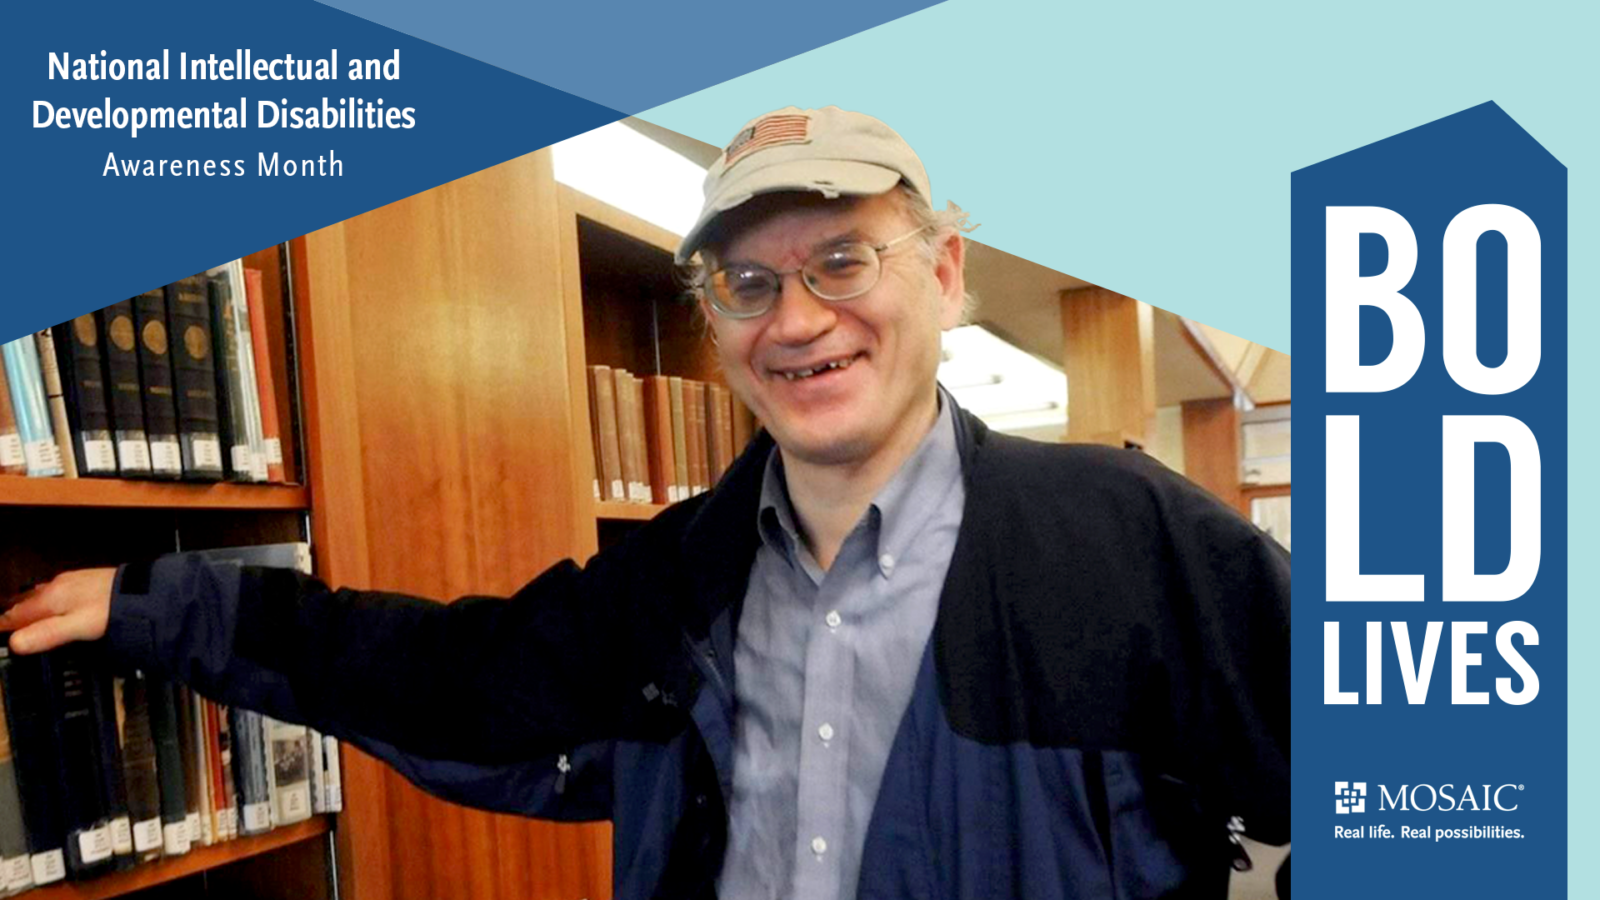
{"x": 885, "y": 342}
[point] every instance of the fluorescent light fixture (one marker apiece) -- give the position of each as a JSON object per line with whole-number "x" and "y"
{"x": 1008, "y": 388}
{"x": 621, "y": 167}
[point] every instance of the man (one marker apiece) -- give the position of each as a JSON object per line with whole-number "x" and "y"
{"x": 891, "y": 655}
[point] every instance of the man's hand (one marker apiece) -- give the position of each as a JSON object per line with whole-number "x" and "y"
{"x": 74, "y": 606}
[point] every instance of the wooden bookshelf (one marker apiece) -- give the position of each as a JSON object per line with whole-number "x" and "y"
{"x": 112, "y": 493}
{"x": 198, "y": 860}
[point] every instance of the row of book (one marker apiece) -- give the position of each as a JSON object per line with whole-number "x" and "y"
{"x": 174, "y": 383}
{"x": 101, "y": 771}
{"x": 660, "y": 438}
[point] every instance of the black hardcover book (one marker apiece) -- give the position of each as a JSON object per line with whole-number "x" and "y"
{"x": 83, "y": 381}
{"x": 139, "y": 767}
{"x": 155, "y": 373}
{"x": 237, "y": 455}
{"x": 89, "y": 846}
{"x": 40, "y": 768}
{"x": 169, "y": 767}
{"x": 194, "y": 378}
{"x": 114, "y": 788}
{"x": 119, "y": 347}
{"x": 16, "y": 872}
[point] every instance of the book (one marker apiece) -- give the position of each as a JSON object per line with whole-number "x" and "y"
{"x": 724, "y": 418}
{"x": 317, "y": 772}
{"x": 680, "y": 450}
{"x": 237, "y": 456}
{"x": 155, "y": 374}
{"x": 193, "y": 763}
{"x": 50, "y": 372}
{"x": 694, "y": 415}
{"x": 641, "y": 450}
{"x": 658, "y": 432}
{"x": 16, "y": 873}
{"x": 623, "y": 388}
{"x": 124, "y": 399}
{"x": 266, "y": 383}
{"x": 594, "y": 433}
{"x": 610, "y": 461}
{"x": 32, "y": 410}
{"x": 250, "y": 771}
{"x": 38, "y": 762}
{"x": 12, "y": 460}
{"x": 194, "y": 378}
{"x": 219, "y": 753}
{"x": 113, "y": 784}
{"x": 83, "y": 381}
{"x": 139, "y": 766}
{"x": 291, "y": 780}
{"x": 714, "y": 417}
{"x": 90, "y": 849}
{"x": 230, "y": 280}
{"x": 331, "y": 769}
{"x": 170, "y": 771}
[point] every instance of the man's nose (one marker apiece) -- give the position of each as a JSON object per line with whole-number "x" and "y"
{"x": 800, "y": 316}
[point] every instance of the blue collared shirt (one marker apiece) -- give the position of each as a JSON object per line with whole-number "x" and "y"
{"x": 826, "y": 661}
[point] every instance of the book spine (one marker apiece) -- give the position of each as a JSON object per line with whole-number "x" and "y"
{"x": 89, "y": 844}
{"x": 113, "y": 783}
{"x": 290, "y": 758}
{"x": 39, "y": 763}
{"x": 319, "y": 781}
{"x": 610, "y": 447}
{"x": 139, "y": 767}
{"x": 155, "y": 374}
{"x": 194, "y": 378}
{"x": 333, "y": 770}
{"x": 60, "y": 429}
{"x": 229, "y": 815}
{"x": 233, "y": 273}
{"x": 658, "y": 434}
{"x": 641, "y": 448}
{"x": 680, "y": 449}
{"x": 694, "y": 401}
{"x": 594, "y": 433}
{"x": 31, "y": 408}
{"x": 266, "y": 384}
{"x": 188, "y": 752}
{"x": 83, "y": 382}
{"x": 713, "y": 435}
{"x": 249, "y": 772}
{"x": 200, "y": 770}
{"x": 12, "y": 459}
{"x": 622, "y": 386}
{"x": 237, "y": 458}
{"x": 724, "y": 430}
{"x": 169, "y": 767}
{"x": 124, "y": 399}
{"x": 16, "y": 872}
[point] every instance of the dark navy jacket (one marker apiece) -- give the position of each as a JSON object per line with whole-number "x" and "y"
{"x": 1106, "y": 685}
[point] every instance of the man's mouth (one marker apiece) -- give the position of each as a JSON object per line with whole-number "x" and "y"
{"x": 831, "y": 365}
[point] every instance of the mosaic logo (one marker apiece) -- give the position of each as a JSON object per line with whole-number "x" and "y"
{"x": 1349, "y": 798}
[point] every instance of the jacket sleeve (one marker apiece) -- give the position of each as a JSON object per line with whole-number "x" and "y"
{"x": 482, "y": 680}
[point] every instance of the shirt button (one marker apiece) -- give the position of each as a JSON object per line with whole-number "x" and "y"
{"x": 832, "y": 618}
{"x": 825, "y": 732}
{"x": 886, "y": 562}
{"x": 819, "y": 846}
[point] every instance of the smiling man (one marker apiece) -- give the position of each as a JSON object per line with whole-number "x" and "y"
{"x": 891, "y": 655}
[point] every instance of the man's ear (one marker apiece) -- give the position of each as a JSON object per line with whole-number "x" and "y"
{"x": 949, "y": 269}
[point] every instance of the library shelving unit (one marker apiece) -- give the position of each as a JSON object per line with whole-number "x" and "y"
{"x": 54, "y": 524}
{"x": 626, "y": 307}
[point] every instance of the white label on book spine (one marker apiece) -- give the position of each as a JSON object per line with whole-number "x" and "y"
{"x": 258, "y": 466}
{"x": 49, "y": 866}
{"x": 99, "y": 456}
{"x": 294, "y": 802}
{"x": 274, "y": 451}
{"x": 175, "y": 838}
{"x": 193, "y": 823}
{"x": 166, "y": 457}
{"x": 42, "y": 457}
{"x": 94, "y": 844}
{"x": 617, "y": 493}
{"x": 208, "y": 453}
{"x": 122, "y": 836}
{"x": 257, "y": 817}
{"x": 11, "y": 453}
{"x": 230, "y": 821}
{"x": 17, "y": 873}
{"x": 146, "y": 835}
{"x": 135, "y": 455}
{"x": 242, "y": 458}
{"x": 596, "y": 481}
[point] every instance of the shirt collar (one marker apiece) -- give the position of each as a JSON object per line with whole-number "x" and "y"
{"x": 897, "y": 513}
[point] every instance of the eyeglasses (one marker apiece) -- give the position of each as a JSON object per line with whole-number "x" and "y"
{"x": 837, "y": 272}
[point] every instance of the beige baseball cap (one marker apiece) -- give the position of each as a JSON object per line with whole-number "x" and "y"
{"x": 830, "y": 150}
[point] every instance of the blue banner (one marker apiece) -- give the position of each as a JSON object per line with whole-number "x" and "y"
{"x": 1430, "y": 640}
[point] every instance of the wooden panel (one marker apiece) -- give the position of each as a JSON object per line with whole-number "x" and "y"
{"x": 1211, "y": 448}
{"x": 1110, "y": 365}
{"x": 441, "y": 433}
{"x": 16, "y": 490}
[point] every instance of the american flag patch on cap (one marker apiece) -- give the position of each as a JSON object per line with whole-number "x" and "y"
{"x": 768, "y": 132}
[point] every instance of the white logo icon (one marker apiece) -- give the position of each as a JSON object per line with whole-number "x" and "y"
{"x": 1349, "y": 798}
